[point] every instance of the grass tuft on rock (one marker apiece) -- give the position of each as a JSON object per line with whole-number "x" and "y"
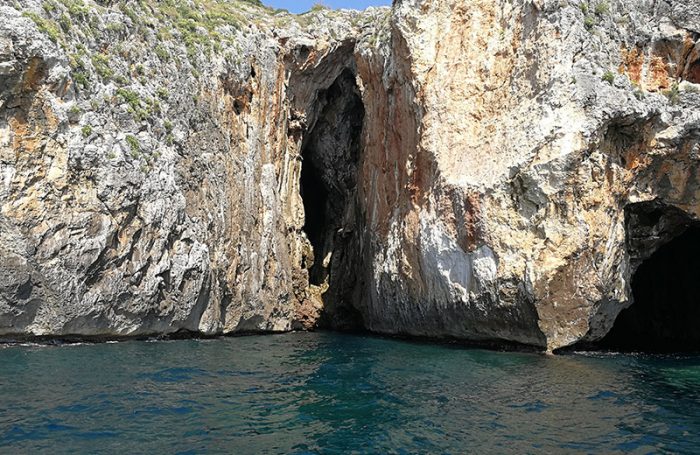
{"x": 609, "y": 77}
{"x": 134, "y": 145}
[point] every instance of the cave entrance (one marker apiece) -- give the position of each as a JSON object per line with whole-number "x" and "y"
{"x": 330, "y": 154}
{"x": 316, "y": 218}
{"x": 665, "y": 314}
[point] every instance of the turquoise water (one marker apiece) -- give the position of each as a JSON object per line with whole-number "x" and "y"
{"x": 330, "y": 393}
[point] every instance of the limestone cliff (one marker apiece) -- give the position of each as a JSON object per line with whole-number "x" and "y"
{"x": 483, "y": 170}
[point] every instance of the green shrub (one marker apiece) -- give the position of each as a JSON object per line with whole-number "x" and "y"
{"x": 81, "y": 79}
{"x": 76, "y": 7}
{"x": 45, "y": 26}
{"x": 136, "y": 105}
{"x": 162, "y": 53}
{"x": 602, "y": 8}
{"x": 134, "y": 145}
{"x": 101, "y": 64}
{"x": 76, "y": 62}
{"x": 153, "y": 106}
{"x": 163, "y": 93}
{"x": 128, "y": 12}
{"x": 130, "y": 97}
{"x": 87, "y": 131}
{"x": 673, "y": 94}
{"x": 318, "y": 7}
{"x": 65, "y": 22}
{"x": 114, "y": 27}
{"x": 609, "y": 77}
{"x": 589, "y": 22}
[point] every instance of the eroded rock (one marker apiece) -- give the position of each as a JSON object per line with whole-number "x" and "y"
{"x": 443, "y": 169}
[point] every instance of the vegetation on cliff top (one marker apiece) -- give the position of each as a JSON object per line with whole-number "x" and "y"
{"x": 146, "y": 58}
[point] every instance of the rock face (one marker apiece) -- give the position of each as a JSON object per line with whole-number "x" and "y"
{"x": 482, "y": 170}
{"x": 151, "y": 164}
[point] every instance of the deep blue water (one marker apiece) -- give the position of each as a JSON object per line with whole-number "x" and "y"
{"x": 330, "y": 393}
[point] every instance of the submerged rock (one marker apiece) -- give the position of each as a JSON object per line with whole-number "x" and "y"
{"x": 444, "y": 168}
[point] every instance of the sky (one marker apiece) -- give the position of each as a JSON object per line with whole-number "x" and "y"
{"x": 301, "y": 6}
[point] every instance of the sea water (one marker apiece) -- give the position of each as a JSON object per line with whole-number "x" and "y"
{"x": 332, "y": 393}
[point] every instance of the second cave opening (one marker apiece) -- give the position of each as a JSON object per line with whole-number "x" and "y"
{"x": 665, "y": 312}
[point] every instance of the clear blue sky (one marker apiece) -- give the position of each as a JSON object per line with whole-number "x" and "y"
{"x": 301, "y": 6}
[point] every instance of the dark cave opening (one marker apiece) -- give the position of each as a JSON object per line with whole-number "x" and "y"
{"x": 665, "y": 312}
{"x": 330, "y": 158}
{"x": 315, "y": 196}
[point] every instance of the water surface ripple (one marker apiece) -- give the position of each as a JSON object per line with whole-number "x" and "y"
{"x": 329, "y": 393}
